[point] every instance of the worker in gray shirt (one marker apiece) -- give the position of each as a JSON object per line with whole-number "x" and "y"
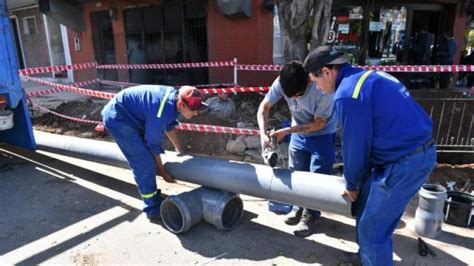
{"x": 313, "y": 127}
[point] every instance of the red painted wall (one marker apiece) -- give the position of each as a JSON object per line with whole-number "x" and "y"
{"x": 250, "y": 40}
{"x": 86, "y": 54}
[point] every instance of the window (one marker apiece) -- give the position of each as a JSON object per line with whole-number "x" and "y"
{"x": 29, "y": 25}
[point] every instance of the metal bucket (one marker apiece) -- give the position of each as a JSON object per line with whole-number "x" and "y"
{"x": 429, "y": 214}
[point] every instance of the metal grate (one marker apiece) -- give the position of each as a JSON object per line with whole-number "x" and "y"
{"x": 168, "y": 33}
{"x": 453, "y": 120}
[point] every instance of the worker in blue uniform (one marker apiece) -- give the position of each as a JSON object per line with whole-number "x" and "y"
{"x": 138, "y": 118}
{"x": 312, "y": 144}
{"x": 388, "y": 150}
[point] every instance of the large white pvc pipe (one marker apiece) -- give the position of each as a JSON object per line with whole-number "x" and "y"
{"x": 310, "y": 190}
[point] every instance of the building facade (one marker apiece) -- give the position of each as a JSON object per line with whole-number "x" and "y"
{"x": 146, "y": 32}
{"x": 176, "y": 31}
{"x": 38, "y": 39}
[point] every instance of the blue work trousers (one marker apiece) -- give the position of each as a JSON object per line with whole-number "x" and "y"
{"x": 140, "y": 160}
{"x": 382, "y": 200}
{"x": 310, "y": 154}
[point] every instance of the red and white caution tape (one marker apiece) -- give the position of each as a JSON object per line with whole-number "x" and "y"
{"x": 182, "y": 126}
{"x": 215, "y": 85}
{"x": 48, "y": 69}
{"x": 217, "y": 129}
{"x": 259, "y": 67}
{"x": 393, "y": 68}
{"x": 98, "y": 94}
{"x": 118, "y": 83}
{"x": 423, "y": 68}
{"x": 75, "y": 119}
{"x": 234, "y": 90}
{"x": 168, "y": 66}
{"x": 85, "y": 83}
{"x": 42, "y": 92}
{"x": 56, "y": 90}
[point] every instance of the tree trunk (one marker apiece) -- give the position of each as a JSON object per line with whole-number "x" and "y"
{"x": 321, "y": 22}
{"x": 364, "y": 38}
{"x": 293, "y": 15}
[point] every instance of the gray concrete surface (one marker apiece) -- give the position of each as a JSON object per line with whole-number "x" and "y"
{"x": 60, "y": 210}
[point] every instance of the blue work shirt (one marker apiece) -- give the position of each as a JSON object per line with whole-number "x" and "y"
{"x": 380, "y": 124}
{"x": 304, "y": 109}
{"x": 139, "y": 107}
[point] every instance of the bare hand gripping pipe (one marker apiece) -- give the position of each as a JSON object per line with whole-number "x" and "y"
{"x": 310, "y": 190}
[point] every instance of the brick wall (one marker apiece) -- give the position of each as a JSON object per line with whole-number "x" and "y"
{"x": 35, "y": 46}
{"x": 250, "y": 40}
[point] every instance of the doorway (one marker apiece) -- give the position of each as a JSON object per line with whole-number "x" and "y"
{"x": 104, "y": 46}
{"x": 168, "y": 33}
{"x": 425, "y": 32}
{"x": 18, "y": 45}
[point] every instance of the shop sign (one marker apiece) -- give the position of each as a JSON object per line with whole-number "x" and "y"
{"x": 352, "y": 37}
{"x": 331, "y": 36}
{"x": 376, "y": 26}
{"x": 346, "y": 47}
{"x": 343, "y": 28}
{"x": 398, "y": 25}
{"x": 342, "y": 18}
{"x": 355, "y": 16}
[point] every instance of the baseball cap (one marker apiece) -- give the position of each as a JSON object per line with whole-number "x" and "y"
{"x": 323, "y": 56}
{"x": 192, "y": 97}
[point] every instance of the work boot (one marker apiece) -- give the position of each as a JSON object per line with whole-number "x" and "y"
{"x": 350, "y": 258}
{"x": 155, "y": 217}
{"x": 294, "y": 216}
{"x": 307, "y": 223}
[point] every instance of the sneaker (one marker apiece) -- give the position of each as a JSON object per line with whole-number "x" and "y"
{"x": 307, "y": 223}
{"x": 350, "y": 258}
{"x": 294, "y": 216}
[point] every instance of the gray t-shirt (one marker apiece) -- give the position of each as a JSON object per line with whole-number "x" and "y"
{"x": 313, "y": 103}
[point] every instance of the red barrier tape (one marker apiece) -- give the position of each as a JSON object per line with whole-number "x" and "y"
{"x": 234, "y": 90}
{"x": 423, "y": 68}
{"x": 75, "y": 119}
{"x": 168, "y": 66}
{"x": 259, "y": 67}
{"x": 181, "y": 126}
{"x": 108, "y": 95}
{"x": 42, "y": 92}
{"x": 217, "y": 129}
{"x": 85, "y": 83}
{"x": 48, "y": 69}
{"x": 98, "y": 94}
{"x": 394, "y": 68}
{"x": 56, "y": 90}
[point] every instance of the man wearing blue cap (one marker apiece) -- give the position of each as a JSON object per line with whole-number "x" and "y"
{"x": 388, "y": 149}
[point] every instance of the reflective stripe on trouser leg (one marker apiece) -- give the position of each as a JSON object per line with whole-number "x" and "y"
{"x": 391, "y": 189}
{"x": 140, "y": 160}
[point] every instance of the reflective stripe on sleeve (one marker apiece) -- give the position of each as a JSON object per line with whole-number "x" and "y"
{"x": 162, "y": 104}
{"x": 358, "y": 86}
